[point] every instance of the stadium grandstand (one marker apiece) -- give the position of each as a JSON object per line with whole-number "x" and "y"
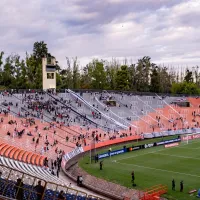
{"x": 43, "y": 133}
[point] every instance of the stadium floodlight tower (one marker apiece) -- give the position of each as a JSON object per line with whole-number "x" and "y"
{"x": 49, "y": 73}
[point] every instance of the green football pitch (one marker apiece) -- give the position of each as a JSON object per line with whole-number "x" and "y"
{"x": 153, "y": 166}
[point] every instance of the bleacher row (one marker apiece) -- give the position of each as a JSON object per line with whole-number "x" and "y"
{"x": 22, "y": 155}
{"x": 33, "y": 170}
{"x": 9, "y": 187}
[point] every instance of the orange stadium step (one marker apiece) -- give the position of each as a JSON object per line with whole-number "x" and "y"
{"x": 16, "y": 154}
{"x": 194, "y": 102}
{"x": 8, "y": 150}
{"x": 37, "y": 160}
{"x": 25, "y": 156}
{"x": 3, "y": 150}
{"x": 41, "y": 162}
{"x": 29, "y": 157}
{"x": 33, "y": 159}
{"x": 12, "y": 152}
{"x": 2, "y": 146}
{"x": 20, "y": 155}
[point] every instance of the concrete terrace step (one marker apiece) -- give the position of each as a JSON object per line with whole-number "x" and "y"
{"x": 21, "y": 155}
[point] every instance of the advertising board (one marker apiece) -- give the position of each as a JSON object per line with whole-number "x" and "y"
{"x": 135, "y": 148}
{"x": 112, "y": 153}
{"x": 190, "y": 137}
{"x": 148, "y": 145}
{"x": 73, "y": 153}
{"x": 171, "y": 145}
{"x": 168, "y": 141}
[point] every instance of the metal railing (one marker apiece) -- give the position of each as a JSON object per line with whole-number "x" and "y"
{"x": 18, "y": 185}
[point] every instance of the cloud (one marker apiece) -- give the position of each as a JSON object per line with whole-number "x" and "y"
{"x": 165, "y": 30}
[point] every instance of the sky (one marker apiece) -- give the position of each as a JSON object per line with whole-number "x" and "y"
{"x": 166, "y": 30}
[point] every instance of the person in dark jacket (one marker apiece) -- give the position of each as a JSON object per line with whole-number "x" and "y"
{"x": 101, "y": 165}
{"x": 173, "y": 184}
{"x": 19, "y": 191}
{"x": 40, "y": 190}
{"x": 61, "y": 195}
{"x": 181, "y": 186}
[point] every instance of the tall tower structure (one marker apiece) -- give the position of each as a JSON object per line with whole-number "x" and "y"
{"x": 49, "y": 73}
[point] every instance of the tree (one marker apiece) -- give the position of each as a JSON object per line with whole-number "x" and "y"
{"x": 94, "y": 75}
{"x": 76, "y": 74}
{"x": 98, "y": 75}
{"x": 189, "y": 76}
{"x": 166, "y": 79}
{"x": 122, "y": 78}
{"x": 143, "y": 70}
{"x": 155, "y": 80}
{"x": 8, "y": 72}
{"x": 185, "y": 88}
{"x": 86, "y": 79}
{"x": 40, "y": 50}
{"x": 132, "y": 77}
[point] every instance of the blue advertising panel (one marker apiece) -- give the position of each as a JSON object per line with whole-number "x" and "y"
{"x": 168, "y": 141}
{"x": 112, "y": 153}
{"x": 135, "y": 148}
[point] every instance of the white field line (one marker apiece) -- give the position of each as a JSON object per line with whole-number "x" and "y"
{"x": 163, "y": 170}
{"x": 153, "y": 151}
{"x": 186, "y": 148}
{"x": 139, "y": 155}
{"x": 177, "y": 156}
{"x": 189, "y": 148}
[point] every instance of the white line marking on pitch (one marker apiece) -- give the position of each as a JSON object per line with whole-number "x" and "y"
{"x": 177, "y": 156}
{"x": 154, "y": 151}
{"x": 140, "y": 154}
{"x": 163, "y": 170}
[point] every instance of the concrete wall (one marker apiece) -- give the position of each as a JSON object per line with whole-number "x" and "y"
{"x": 48, "y": 83}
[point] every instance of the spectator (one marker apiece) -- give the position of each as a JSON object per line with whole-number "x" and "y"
{"x": 80, "y": 181}
{"x": 61, "y": 195}
{"x": 101, "y": 165}
{"x": 19, "y": 192}
{"x": 133, "y": 176}
{"x": 181, "y": 186}
{"x": 40, "y": 190}
{"x": 173, "y": 184}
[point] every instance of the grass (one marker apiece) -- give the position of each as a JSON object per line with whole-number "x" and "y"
{"x": 153, "y": 166}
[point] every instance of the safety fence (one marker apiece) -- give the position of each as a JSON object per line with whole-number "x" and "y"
{"x": 18, "y": 185}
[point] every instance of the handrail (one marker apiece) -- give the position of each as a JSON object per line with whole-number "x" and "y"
{"x": 107, "y": 117}
{"x": 116, "y": 115}
{"x": 9, "y": 176}
{"x": 135, "y": 114}
{"x": 168, "y": 105}
{"x": 71, "y": 109}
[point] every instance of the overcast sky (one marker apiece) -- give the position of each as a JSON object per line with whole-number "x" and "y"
{"x": 166, "y": 30}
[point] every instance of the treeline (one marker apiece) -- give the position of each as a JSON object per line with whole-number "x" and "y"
{"x": 143, "y": 76}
